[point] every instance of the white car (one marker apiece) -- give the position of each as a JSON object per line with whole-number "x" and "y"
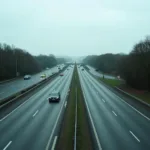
{"x": 27, "y": 77}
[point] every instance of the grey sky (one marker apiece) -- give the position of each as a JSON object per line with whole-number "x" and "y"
{"x": 74, "y": 27}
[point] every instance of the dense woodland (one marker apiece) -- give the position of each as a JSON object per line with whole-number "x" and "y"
{"x": 13, "y": 60}
{"x": 134, "y": 68}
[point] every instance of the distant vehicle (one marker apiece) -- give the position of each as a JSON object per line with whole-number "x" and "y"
{"x": 27, "y": 77}
{"x": 47, "y": 68}
{"x": 96, "y": 69}
{"x": 67, "y": 69}
{"x": 43, "y": 76}
{"x": 54, "y": 97}
{"x": 82, "y": 69}
{"x": 61, "y": 74}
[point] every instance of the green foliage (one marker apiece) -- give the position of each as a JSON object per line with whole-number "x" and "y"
{"x": 107, "y": 63}
{"x": 112, "y": 82}
{"x": 134, "y": 68}
{"x": 14, "y": 60}
{"x": 46, "y": 61}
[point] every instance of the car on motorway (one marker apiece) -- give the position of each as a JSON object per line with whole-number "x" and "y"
{"x": 54, "y": 97}
{"x": 43, "y": 76}
{"x": 27, "y": 77}
{"x": 61, "y": 74}
{"x": 82, "y": 69}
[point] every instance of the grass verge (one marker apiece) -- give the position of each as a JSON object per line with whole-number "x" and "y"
{"x": 112, "y": 82}
{"x": 84, "y": 140}
{"x": 66, "y": 138}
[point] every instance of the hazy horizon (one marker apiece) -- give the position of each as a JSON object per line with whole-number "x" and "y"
{"x": 74, "y": 27}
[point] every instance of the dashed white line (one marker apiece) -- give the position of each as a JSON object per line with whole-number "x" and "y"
{"x": 65, "y": 103}
{"x": 57, "y": 119}
{"x": 7, "y": 145}
{"x": 134, "y": 136}
{"x": 35, "y": 113}
{"x": 114, "y": 113}
{"x": 54, "y": 143}
{"x": 103, "y": 100}
{"x": 130, "y": 105}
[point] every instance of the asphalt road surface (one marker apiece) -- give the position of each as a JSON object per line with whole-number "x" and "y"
{"x": 12, "y": 87}
{"x": 98, "y": 74}
{"x": 116, "y": 124}
{"x": 33, "y": 125}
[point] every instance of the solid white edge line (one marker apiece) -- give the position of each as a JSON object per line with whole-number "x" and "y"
{"x": 35, "y": 113}
{"x": 94, "y": 129}
{"x": 135, "y": 109}
{"x": 7, "y": 145}
{"x": 54, "y": 143}
{"x": 103, "y": 100}
{"x": 124, "y": 101}
{"x": 14, "y": 110}
{"x": 65, "y": 103}
{"x": 50, "y": 138}
{"x": 114, "y": 113}
{"x": 134, "y": 136}
{"x": 75, "y": 127}
{"x": 18, "y": 107}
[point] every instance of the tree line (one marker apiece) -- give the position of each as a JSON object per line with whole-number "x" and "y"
{"x": 134, "y": 67}
{"x": 18, "y": 62}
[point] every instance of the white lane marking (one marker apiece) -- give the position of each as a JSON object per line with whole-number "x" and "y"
{"x": 65, "y": 103}
{"x": 124, "y": 101}
{"x": 135, "y": 109}
{"x": 13, "y": 110}
{"x": 103, "y": 100}
{"x": 134, "y": 136}
{"x": 114, "y": 113}
{"x": 50, "y": 138}
{"x": 94, "y": 129}
{"x": 54, "y": 143}
{"x": 75, "y": 127}
{"x": 35, "y": 113}
{"x": 21, "y": 105}
{"x": 7, "y": 145}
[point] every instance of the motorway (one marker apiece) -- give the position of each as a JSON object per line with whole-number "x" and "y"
{"x": 116, "y": 125}
{"x": 99, "y": 74}
{"x": 34, "y": 124}
{"x": 12, "y": 87}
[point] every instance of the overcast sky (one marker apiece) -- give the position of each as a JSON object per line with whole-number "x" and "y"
{"x": 74, "y": 27}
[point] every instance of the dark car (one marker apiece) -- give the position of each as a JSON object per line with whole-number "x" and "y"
{"x": 54, "y": 97}
{"x": 82, "y": 69}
